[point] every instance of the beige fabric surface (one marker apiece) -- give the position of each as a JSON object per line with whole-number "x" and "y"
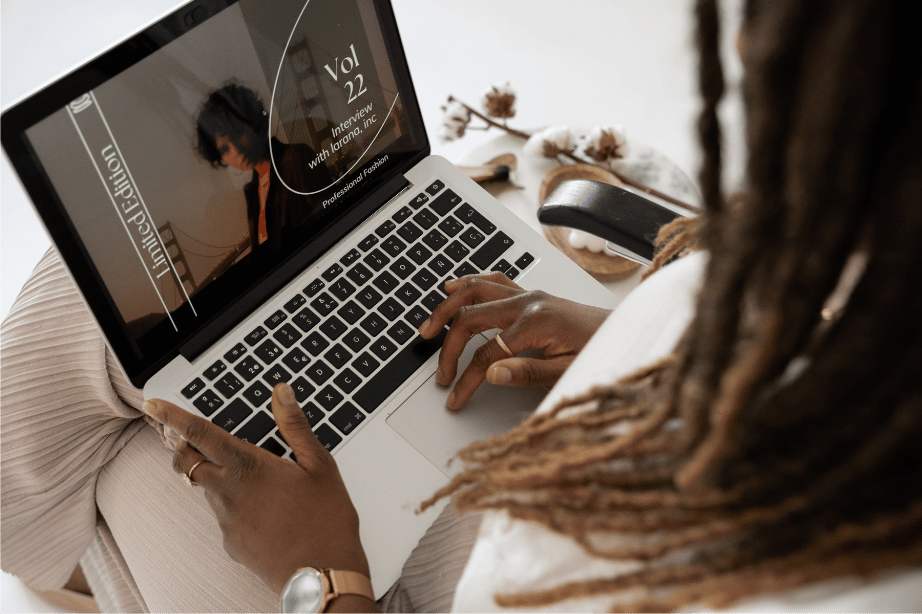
{"x": 86, "y": 478}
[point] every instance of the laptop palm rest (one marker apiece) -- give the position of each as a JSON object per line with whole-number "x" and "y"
{"x": 438, "y": 433}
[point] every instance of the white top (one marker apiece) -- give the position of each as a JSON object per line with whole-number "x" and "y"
{"x": 515, "y": 556}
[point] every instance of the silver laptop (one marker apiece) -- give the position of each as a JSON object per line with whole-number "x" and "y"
{"x": 244, "y": 195}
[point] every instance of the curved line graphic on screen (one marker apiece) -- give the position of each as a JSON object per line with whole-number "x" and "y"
{"x": 272, "y": 103}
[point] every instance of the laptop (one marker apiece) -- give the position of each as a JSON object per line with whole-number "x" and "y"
{"x": 243, "y": 193}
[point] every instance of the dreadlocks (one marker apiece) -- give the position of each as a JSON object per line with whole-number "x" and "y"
{"x": 797, "y": 457}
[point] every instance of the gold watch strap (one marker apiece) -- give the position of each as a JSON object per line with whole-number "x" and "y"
{"x": 350, "y": 583}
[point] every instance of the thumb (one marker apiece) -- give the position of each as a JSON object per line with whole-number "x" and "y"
{"x": 522, "y": 371}
{"x": 294, "y": 425}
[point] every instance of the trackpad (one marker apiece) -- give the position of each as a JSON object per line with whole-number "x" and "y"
{"x": 438, "y": 432}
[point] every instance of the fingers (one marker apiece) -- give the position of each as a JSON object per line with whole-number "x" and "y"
{"x": 469, "y": 290}
{"x": 201, "y": 434}
{"x": 295, "y": 427}
{"x": 205, "y": 473}
{"x": 528, "y": 371}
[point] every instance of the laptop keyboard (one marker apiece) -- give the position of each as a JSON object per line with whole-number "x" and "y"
{"x": 349, "y": 339}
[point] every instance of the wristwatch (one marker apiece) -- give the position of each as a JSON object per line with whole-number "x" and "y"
{"x": 311, "y": 589}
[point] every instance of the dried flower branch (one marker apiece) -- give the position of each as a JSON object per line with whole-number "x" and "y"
{"x": 499, "y": 101}
{"x": 603, "y": 143}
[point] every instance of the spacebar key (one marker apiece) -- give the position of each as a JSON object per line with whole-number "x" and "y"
{"x": 398, "y": 369}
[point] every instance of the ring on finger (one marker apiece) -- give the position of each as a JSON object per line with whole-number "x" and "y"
{"x": 502, "y": 344}
{"x": 187, "y": 476}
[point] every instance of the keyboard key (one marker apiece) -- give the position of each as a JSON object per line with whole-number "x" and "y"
{"x": 327, "y": 436}
{"x": 435, "y": 187}
{"x": 195, "y": 387}
{"x": 347, "y": 381}
{"x": 337, "y": 356}
{"x": 232, "y": 415}
{"x": 342, "y": 289}
{"x": 435, "y": 240}
{"x": 384, "y": 229}
{"x": 524, "y": 261}
{"x": 329, "y": 398}
{"x": 433, "y": 300}
{"x": 491, "y": 250}
{"x": 248, "y": 368}
{"x": 254, "y": 337}
{"x": 401, "y": 332}
{"x": 333, "y": 272}
{"x": 469, "y": 215}
{"x": 356, "y": 339}
{"x": 451, "y": 226}
{"x": 302, "y": 388}
{"x": 268, "y": 351}
{"x": 402, "y": 267}
{"x": 306, "y": 319}
{"x": 421, "y": 199}
{"x": 287, "y": 335}
{"x": 315, "y": 343}
{"x": 391, "y": 309}
{"x": 256, "y": 428}
{"x": 324, "y": 304}
{"x": 215, "y": 370}
{"x": 359, "y": 274}
{"x": 294, "y": 304}
{"x": 374, "y": 324}
{"x": 457, "y": 251}
{"x": 208, "y": 402}
{"x": 417, "y": 316}
{"x": 350, "y": 258}
{"x": 410, "y": 232}
{"x": 351, "y": 312}
{"x": 365, "y": 364}
{"x": 402, "y": 214}
{"x": 272, "y": 445}
{"x": 314, "y": 414}
{"x": 368, "y": 242}
{"x": 229, "y": 385}
{"x": 426, "y": 219}
{"x": 319, "y": 372}
{"x": 393, "y": 246}
{"x": 502, "y": 266}
{"x": 465, "y": 269}
{"x": 383, "y": 347}
{"x": 296, "y": 360}
{"x": 441, "y": 265}
{"x": 347, "y": 418}
{"x": 273, "y": 321}
{"x": 385, "y": 282}
{"x": 315, "y": 286}
{"x": 408, "y": 294}
{"x": 512, "y": 273}
{"x": 472, "y": 237}
{"x": 257, "y": 394}
{"x": 419, "y": 253}
{"x": 276, "y": 375}
{"x": 445, "y": 202}
{"x": 369, "y": 297}
{"x": 235, "y": 353}
{"x": 376, "y": 259}
{"x": 401, "y": 366}
{"x": 425, "y": 279}
{"x": 334, "y": 327}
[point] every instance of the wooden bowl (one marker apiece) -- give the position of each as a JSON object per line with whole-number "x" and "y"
{"x": 601, "y": 266}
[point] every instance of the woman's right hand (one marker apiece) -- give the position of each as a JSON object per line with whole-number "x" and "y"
{"x": 528, "y": 319}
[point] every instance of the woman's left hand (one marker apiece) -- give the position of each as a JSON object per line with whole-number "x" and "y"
{"x": 276, "y": 516}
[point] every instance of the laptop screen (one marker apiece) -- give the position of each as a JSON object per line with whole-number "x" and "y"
{"x": 182, "y": 168}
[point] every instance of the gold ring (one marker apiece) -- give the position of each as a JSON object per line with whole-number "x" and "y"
{"x": 187, "y": 476}
{"x": 502, "y": 344}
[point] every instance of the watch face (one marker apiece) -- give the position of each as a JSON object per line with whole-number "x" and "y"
{"x": 304, "y": 592}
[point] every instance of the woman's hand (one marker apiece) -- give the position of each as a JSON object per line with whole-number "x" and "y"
{"x": 276, "y": 516}
{"x": 529, "y": 320}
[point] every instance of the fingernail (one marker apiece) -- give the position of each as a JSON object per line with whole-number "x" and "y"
{"x": 500, "y": 375}
{"x": 450, "y": 403}
{"x": 451, "y": 282}
{"x": 424, "y": 328}
{"x": 286, "y": 394}
{"x": 149, "y": 408}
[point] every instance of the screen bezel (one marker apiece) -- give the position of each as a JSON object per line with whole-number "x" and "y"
{"x": 140, "y": 363}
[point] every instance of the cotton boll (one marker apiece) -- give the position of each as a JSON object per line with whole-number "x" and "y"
{"x": 577, "y": 239}
{"x": 595, "y": 244}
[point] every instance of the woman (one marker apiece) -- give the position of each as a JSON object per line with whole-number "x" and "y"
{"x": 233, "y": 130}
{"x": 776, "y": 445}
